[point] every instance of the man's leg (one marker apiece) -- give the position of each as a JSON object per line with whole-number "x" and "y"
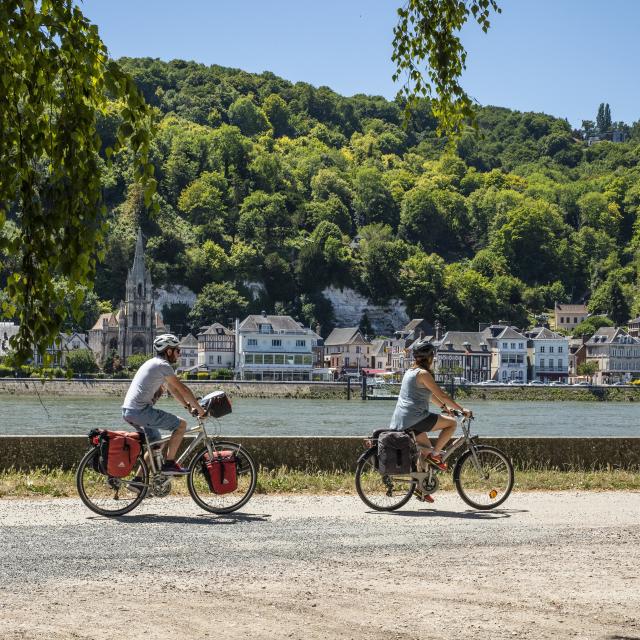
{"x": 175, "y": 441}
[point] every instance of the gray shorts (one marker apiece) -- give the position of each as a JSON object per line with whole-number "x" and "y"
{"x": 152, "y": 420}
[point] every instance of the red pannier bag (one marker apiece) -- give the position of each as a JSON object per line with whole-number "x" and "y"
{"x": 221, "y": 471}
{"x": 117, "y": 452}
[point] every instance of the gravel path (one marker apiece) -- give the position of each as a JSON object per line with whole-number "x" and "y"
{"x": 548, "y": 565}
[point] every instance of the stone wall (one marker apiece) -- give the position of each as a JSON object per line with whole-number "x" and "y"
{"x": 341, "y": 453}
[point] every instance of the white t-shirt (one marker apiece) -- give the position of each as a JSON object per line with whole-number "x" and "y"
{"x": 146, "y": 382}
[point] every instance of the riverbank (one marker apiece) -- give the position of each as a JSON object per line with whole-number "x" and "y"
{"x": 100, "y": 388}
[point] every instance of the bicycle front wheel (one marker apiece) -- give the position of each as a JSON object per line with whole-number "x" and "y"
{"x": 246, "y": 476}
{"x": 110, "y": 496}
{"x": 378, "y": 491}
{"x": 487, "y": 483}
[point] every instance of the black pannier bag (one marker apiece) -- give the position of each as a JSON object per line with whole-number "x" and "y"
{"x": 395, "y": 452}
{"x": 216, "y": 404}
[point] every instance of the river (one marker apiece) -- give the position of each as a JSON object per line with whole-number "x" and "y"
{"x": 25, "y": 415}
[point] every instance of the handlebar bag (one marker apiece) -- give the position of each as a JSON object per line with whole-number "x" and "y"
{"x": 117, "y": 451}
{"x": 216, "y": 404}
{"x": 221, "y": 471}
{"x": 395, "y": 450}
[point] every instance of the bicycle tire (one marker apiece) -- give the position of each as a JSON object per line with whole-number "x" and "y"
{"x": 228, "y": 502}
{"x": 93, "y": 487}
{"x": 374, "y": 495}
{"x": 464, "y": 480}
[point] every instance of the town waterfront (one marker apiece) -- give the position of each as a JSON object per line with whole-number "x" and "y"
{"x": 26, "y": 415}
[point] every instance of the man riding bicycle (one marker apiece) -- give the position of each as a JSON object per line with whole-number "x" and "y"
{"x": 146, "y": 387}
{"x": 412, "y": 409}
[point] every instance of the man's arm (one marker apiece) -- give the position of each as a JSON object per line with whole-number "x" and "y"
{"x": 183, "y": 394}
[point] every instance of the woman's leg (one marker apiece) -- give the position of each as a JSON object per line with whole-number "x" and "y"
{"x": 447, "y": 426}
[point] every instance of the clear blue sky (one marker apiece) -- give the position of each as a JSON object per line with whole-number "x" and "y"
{"x": 562, "y": 57}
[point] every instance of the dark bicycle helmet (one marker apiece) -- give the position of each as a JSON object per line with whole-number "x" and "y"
{"x": 423, "y": 349}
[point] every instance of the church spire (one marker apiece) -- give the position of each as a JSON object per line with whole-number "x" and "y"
{"x": 138, "y": 269}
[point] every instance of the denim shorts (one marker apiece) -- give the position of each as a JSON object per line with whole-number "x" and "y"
{"x": 152, "y": 420}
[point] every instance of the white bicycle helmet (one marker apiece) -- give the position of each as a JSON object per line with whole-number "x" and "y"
{"x": 165, "y": 341}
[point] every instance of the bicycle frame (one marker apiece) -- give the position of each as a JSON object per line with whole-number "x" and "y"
{"x": 202, "y": 436}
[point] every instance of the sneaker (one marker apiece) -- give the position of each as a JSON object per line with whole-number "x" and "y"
{"x": 172, "y": 468}
{"x": 436, "y": 461}
{"x": 423, "y": 497}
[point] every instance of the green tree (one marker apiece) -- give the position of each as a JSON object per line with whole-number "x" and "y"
{"x": 248, "y": 117}
{"x": 588, "y": 369}
{"x": 423, "y": 287}
{"x": 56, "y": 76}
{"x": 277, "y": 111}
{"x": 610, "y": 299}
{"x": 590, "y": 325}
{"x": 217, "y": 302}
{"x": 373, "y": 201}
{"x": 427, "y": 33}
{"x": 136, "y": 360}
{"x": 81, "y": 361}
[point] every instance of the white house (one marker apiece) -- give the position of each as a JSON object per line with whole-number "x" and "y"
{"x": 274, "y": 348}
{"x": 188, "y": 353}
{"x": 616, "y": 353}
{"x": 548, "y": 355}
{"x": 508, "y": 353}
{"x": 217, "y": 347}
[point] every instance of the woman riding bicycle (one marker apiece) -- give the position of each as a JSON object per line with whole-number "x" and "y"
{"x": 412, "y": 410}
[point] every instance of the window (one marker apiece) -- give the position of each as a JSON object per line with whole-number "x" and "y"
{"x": 357, "y": 349}
{"x": 219, "y": 359}
{"x": 268, "y": 358}
{"x": 550, "y": 349}
{"x": 559, "y": 363}
{"x": 513, "y": 345}
{"x": 211, "y": 359}
{"x": 541, "y": 362}
{"x": 542, "y": 349}
{"x": 307, "y": 359}
{"x": 278, "y": 358}
{"x": 575, "y": 321}
{"x": 276, "y": 343}
{"x": 252, "y": 342}
{"x": 248, "y": 358}
{"x": 504, "y": 345}
{"x": 301, "y": 343}
{"x": 135, "y": 319}
{"x": 562, "y": 319}
{"x": 142, "y": 321}
{"x": 520, "y": 345}
{"x": 265, "y": 328}
{"x": 559, "y": 349}
{"x": 191, "y": 362}
{"x": 297, "y": 359}
{"x": 550, "y": 363}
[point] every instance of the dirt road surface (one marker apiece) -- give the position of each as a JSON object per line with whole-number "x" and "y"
{"x": 547, "y": 565}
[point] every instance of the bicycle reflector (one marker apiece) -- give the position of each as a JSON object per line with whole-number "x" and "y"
{"x": 493, "y": 493}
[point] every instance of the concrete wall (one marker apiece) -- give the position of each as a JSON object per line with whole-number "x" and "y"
{"x": 330, "y": 453}
{"x": 235, "y": 388}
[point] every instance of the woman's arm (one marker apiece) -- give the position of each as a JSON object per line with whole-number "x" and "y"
{"x": 427, "y": 381}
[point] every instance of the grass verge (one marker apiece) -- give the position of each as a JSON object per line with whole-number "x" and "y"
{"x": 55, "y": 483}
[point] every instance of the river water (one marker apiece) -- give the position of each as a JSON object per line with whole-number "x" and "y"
{"x": 25, "y": 415}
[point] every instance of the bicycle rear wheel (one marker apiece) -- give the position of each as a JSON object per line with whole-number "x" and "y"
{"x": 246, "y": 475}
{"x": 109, "y": 496}
{"x": 487, "y": 484}
{"x": 378, "y": 491}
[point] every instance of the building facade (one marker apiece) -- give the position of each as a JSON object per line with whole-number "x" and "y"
{"x": 508, "y": 354}
{"x": 463, "y": 354}
{"x": 217, "y": 348}
{"x": 569, "y": 316}
{"x": 616, "y": 353}
{"x": 188, "y": 353}
{"x": 548, "y": 354}
{"x": 274, "y": 348}
{"x": 346, "y": 351}
{"x": 132, "y": 329}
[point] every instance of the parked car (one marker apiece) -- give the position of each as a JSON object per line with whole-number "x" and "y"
{"x": 537, "y": 383}
{"x": 558, "y": 383}
{"x": 518, "y": 382}
{"x": 583, "y": 383}
{"x": 486, "y": 382}
{"x": 460, "y": 381}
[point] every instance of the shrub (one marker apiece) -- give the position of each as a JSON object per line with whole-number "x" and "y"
{"x": 203, "y": 375}
{"x": 81, "y": 361}
{"x": 6, "y": 372}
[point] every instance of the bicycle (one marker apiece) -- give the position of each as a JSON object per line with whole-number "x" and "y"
{"x": 105, "y": 495}
{"x": 483, "y": 475}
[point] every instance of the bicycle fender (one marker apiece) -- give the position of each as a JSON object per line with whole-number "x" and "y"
{"x": 366, "y": 453}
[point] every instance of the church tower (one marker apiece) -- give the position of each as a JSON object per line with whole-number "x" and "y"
{"x": 137, "y": 317}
